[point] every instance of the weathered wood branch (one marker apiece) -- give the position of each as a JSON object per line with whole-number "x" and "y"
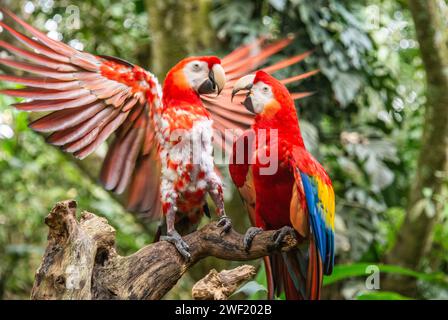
{"x": 220, "y": 285}
{"x": 81, "y": 262}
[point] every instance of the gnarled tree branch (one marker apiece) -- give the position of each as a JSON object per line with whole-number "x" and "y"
{"x": 220, "y": 285}
{"x": 80, "y": 261}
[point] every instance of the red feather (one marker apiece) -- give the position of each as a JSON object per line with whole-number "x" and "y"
{"x": 278, "y": 199}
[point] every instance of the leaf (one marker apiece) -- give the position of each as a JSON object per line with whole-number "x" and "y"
{"x": 250, "y": 288}
{"x": 342, "y": 272}
{"x": 278, "y": 4}
{"x": 381, "y": 295}
{"x": 346, "y": 86}
{"x": 310, "y": 136}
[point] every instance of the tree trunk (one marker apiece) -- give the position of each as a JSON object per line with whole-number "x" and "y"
{"x": 80, "y": 261}
{"x": 178, "y": 29}
{"x": 428, "y": 193}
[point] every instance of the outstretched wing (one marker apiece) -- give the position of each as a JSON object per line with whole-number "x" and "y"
{"x": 231, "y": 117}
{"x": 86, "y": 98}
{"x": 315, "y": 184}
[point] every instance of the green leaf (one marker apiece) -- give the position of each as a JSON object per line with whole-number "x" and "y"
{"x": 342, "y": 272}
{"x": 260, "y": 279}
{"x": 381, "y": 295}
{"x": 250, "y": 288}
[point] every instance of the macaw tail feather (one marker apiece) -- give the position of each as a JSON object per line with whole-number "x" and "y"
{"x": 297, "y": 273}
{"x": 269, "y": 277}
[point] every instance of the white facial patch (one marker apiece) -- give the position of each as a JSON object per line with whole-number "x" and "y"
{"x": 261, "y": 94}
{"x": 196, "y": 73}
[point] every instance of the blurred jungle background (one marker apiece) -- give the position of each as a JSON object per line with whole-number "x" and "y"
{"x": 378, "y": 122}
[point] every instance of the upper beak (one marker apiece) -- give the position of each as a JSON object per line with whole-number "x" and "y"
{"x": 215, "y": 82}
{"x": 244, "y": 83}
{"x": 218, "y": 75}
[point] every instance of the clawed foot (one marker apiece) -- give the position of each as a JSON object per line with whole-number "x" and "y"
{"x": 181, "y": 245}
{"x": 225, "y": 223}
{"x": 249, "y": 237}
{"x": 281, "y": 233}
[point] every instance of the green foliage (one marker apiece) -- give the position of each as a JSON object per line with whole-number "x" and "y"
{"x": 381, "y": 295}
{"x": 34, "y": 176}
{"x": 342, "y": 272}
{"x": 363, "y": 124}
{"x": 260, "y": 279}
{"x": 256, "y": 289}
{"x": 106, "y": 27}
{"x": 355, "y": 87}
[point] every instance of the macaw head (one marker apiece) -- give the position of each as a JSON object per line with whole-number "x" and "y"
{"x": 266, "y": 95}
{"x": 203, "y": 75}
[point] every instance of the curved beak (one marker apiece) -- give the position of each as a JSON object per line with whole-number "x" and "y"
{"x": 215, "y": 82}
{"x": 219, "y": 77}
{"x": 245, "y": 83}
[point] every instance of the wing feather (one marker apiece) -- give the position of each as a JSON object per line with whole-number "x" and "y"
{"x": 319, "y": 195}
{"x": 240, "y": 62}
{"x": 242, "y": 176}
{"x": 89, "y": 98}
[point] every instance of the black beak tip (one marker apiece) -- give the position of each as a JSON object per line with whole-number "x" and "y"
{"x": 248, "y": 104}
{"x": 207, "y": 87}
{"x": 234, "y": 92}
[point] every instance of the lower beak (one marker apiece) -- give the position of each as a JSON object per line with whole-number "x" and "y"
{"x": 245, "y": 83}
{"x": 248, "y": 104}
{"x": 208, "y": 86}
{"x": 215, "y": 82}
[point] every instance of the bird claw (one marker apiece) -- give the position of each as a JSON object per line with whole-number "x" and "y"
{"x": 249, "y": 237}
{"x": 281, "y": 233}
{"x": 225, "y": 223}
{"x": 181, "y": 246}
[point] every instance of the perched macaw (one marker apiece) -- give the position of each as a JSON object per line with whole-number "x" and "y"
{"x": 87, "y": 98}
{"x": 295, "y": 197}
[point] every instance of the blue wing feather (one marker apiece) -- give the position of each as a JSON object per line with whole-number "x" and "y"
{"x": 323, "y": 232}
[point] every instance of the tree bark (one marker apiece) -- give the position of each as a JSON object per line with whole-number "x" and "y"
{"x": 178, "y": 29}
{"x": 428, "y": 193}
{"x": 81, "y": 262}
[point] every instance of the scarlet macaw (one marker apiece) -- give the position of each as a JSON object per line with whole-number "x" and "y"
{"x": 295, "y": 198}
{"x": 89, "y": 97}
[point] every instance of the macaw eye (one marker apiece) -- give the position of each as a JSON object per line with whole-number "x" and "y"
{"x": 196, "y": 67}
{"x": 265, "y": 89}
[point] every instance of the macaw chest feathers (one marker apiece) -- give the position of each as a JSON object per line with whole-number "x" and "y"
{"x": 187, "y": 161}
{"x": 273, "y": 194}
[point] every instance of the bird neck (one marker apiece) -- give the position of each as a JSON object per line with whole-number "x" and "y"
{"x": 177, "y": 92}
{"x": 286, "y": 123}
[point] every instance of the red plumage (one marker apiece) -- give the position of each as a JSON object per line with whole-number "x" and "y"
{"x": 88, "y": 98}
{"x": 280, "y": 199}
